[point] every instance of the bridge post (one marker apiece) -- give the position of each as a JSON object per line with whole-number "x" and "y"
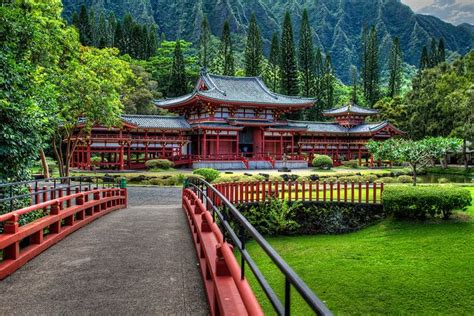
{"x": 11, "y": 227}
{"x": 97, "y": 208}
{"x": 80, "y": 201}
{"x": 55, "y": 227}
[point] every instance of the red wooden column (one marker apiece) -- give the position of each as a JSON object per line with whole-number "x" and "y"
{"x": 292, "y": 143}
{"x": 146, "y": 145}
{"x": 129, "y": 161}
{"x": 163, "y": 145}
{"x": 360, "y": 156}
{"x": 237, "y": 142}
{"x": 88, "y": 156}
{"x": 281, "y": 145}
{"x": 121, "y": 164}
{"x": 218, "y": 140}
{"x": 204, "y": 144}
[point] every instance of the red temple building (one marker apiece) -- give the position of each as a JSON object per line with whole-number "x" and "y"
{"x": 232, "y": 123}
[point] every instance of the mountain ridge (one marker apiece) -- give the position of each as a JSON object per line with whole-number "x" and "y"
{"x": 337, "y": 24}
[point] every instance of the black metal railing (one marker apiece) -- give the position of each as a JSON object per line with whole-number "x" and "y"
{"x": 12, "y": 192}
{"x": 238, "y": 230}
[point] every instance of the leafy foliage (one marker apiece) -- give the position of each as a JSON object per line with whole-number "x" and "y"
{"x": 209, "y": 174}
{"x": 424, "y": 201}
{"x": 322, "y": 162}
{"x": 159, "y": 163}
{"x": 253, "y": 50}
{"x": 288, "y": 66}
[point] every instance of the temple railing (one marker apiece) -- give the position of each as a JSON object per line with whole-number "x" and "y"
{"x": 43, "y": 215}
{"x": 305, "y": 191}
{"x": 219, "y": 228}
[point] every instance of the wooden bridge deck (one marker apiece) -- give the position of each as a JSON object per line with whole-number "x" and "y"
{"x": 138, "y": 260}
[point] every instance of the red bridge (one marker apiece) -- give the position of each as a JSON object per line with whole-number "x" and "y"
{"x": 138, "y": 260}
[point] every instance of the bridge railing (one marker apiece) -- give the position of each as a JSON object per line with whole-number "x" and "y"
{"x": 235, "y": 230}
{"x": 14, "y": 195}
{"x": 35, "y": 225}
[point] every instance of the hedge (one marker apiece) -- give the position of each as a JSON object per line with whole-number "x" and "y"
{"x": 209, "y": 174}
{"x": 159, "y": 163}
{"x": 322, "y": 162}
{"x": 421, "y": 202}
{"x": 277, "y": 217}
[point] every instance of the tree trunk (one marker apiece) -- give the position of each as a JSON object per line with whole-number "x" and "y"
{"x": 44, "y": 164}
{"x": 464, "y": 154}
{"x": 414, "y": 175}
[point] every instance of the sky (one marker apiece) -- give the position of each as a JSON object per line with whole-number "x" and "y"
{"x": 453, "y": 11}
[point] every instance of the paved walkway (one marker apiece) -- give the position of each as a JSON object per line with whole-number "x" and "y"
{"x": 139, "y": 260}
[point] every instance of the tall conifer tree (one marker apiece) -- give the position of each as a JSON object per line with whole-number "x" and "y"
{"x": 253, "y": 49}
{"x": 433, "y": 53}
{"x": 395, "y": 68}
{"x": 225, "y": 52}
{"x": 355, "y": 84}
{"x": 306, "y": 55}
{"x": 441, "y": 51}
{"x": 274, "y": 62}
{"x": 328, "y": 83}
{"x": 288, "y": 67}
{"x": 424, "y": 59}
{"x": 204, "y": 39}
{"x": 178, "y": 73}
{"x": 370, "y": 66}
{"x": 84, "y": 27}
{"x": 318, "y": 73}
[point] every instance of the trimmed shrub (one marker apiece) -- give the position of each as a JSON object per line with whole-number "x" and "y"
{"x": 405, "y": 179}
{"x": 354, "y": 164}
{"x": 423, "y": 201}
{"x": 369, "y": 177}
{"x": 322, "y": 162}
{"x": 443, "y": 180}
{"x": 350, "y": 179}
{"x": 386, "y": 180}
{"x": 209, "y": 174}
{"x": 159, "y": 164}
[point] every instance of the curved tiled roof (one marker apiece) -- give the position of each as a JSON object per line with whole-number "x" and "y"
{"x": 237, "y": 89}
{"x": 350, "y": 108}
{"x": 157, "y": 121}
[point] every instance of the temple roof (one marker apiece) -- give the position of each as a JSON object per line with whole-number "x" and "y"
{"x": 157, "y": 121}
{"x": 251, "y": 90}
{"x": 351, "y": 108}
{"x": 334, "y": 127}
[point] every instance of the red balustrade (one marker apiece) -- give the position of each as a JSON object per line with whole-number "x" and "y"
{"x": 259, "y": 191}
{"x": 64, "y": 215}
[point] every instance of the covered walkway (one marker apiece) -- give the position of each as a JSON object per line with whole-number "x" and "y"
{"x": 139, "y": 260}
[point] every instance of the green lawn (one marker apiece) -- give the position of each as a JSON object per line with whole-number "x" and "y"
{"x": 393, "y": 267}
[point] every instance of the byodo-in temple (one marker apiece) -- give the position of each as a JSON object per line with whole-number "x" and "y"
{"x": 232, "y": 123}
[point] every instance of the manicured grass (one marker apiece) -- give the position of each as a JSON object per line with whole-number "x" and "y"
{"x": 393, "y": 267}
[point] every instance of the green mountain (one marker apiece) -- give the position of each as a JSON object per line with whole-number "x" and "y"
{"x": 337, "y": 24}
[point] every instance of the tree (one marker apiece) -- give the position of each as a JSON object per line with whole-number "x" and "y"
{"x": 141, "y": 90}
{"x": 84, "y": 26}
{"x": 178, "y": 80}
{"x": 424, "y": 59}
{"x": 274, "y": 62}
{"x": 393, "y": 110}
{"x": 328, "y": 84}
{"x": 224, "y": 61}
{"x": 253, "y": 49}
{"x": 433, "y": 53}
{"x": 416, "y": 153}
{"x": 306, "y": 55}
{"x": 35, "y": 43}
{"x": 370, "y": 66}
{"x": 354, "y": 76}
{"x": 204, "y": 39}
{"x": 441, "y": 51}
{"x": 91, "y": 89}
{"x": 395, "y": 68}
{"x": 288, "y": 68}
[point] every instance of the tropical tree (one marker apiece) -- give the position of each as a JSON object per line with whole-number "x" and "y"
{"x": 416, "y": 153}
{"x": 91, "y": 89}
{"x": 370, "y": 66}
{"x": 253, "y": 49}
{"x": 224, "y": 61}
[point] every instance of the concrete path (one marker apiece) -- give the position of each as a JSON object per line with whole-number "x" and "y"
{"x": 137, "y": 261}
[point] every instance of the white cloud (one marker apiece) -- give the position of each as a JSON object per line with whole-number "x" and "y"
{"x": 453, "y": 11}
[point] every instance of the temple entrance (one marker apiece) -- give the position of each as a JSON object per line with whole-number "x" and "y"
{"x": 246, "y": 141}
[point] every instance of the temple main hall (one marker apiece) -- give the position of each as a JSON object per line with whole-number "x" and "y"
{"x": 232, "y": 123}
